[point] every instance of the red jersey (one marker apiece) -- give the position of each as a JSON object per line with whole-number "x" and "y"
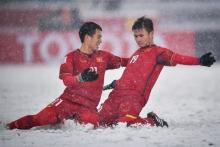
{"x": 144, "y": 68}
{"x": 87, "y": 93}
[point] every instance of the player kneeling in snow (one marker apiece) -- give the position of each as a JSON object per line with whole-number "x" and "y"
{"x": 131, "y": 92}
{"x": 83, "y": 75}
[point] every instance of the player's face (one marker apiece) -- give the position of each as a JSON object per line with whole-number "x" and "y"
{"x": 142, "y": 37}
{"x": 95, "y": 40}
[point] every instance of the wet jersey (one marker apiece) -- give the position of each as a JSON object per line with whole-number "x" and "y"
{"x": 143, "y": 70}
{"x": 87, "y": 93}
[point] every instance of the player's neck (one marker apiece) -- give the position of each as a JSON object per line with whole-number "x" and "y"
{"x": 86, "y": 50}
{"x": 148, "y": 45}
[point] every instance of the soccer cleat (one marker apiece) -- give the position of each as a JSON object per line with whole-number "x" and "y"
{"x": 158, "y": 121}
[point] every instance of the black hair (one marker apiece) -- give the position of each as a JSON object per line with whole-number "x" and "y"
{"x": 143, "y": 22}
{"x": 88, "y": 28}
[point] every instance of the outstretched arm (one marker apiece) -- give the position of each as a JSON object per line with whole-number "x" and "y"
{"x": 170, "y": 58}
{"x": 182, "y": 59}
{"x": 205, "y": 60}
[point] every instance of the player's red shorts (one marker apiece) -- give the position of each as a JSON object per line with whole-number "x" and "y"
{"x": 63, "y": 109}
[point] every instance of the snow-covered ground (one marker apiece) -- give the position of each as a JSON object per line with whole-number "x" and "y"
{"x": 186, "y": 96}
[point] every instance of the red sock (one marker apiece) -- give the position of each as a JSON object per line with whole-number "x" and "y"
{"x": 45, "y": 117}
{"x": 22, "y": 123}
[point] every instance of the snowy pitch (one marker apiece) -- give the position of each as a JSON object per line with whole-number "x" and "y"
{"x": 187, "y": 97}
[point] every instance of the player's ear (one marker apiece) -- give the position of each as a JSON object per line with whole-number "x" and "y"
{"x": 151, "y": 34}
{"x": 87, "y": 38}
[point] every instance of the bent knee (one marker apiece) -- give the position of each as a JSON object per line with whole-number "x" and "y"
{"x": 88, "y": 117}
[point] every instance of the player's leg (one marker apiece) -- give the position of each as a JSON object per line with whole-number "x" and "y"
{"x": 131, "y": 119}
{"x": 44, "y": 117}
{"x": 87, "y": 116}
{"x": 21, "y": 123}
{"x": 58, "y": 111}
{"x": 47, "y": 116}
{"x": 129, "y": 112}
{"x": 109, "y": 111}
{"x": 152, "y": 119}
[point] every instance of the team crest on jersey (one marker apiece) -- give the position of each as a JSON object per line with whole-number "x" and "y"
{"x": 99, "y": 59}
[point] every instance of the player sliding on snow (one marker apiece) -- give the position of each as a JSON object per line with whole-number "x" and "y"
{"x": 131, "y": 92}
{"x": 83, "y": 75}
